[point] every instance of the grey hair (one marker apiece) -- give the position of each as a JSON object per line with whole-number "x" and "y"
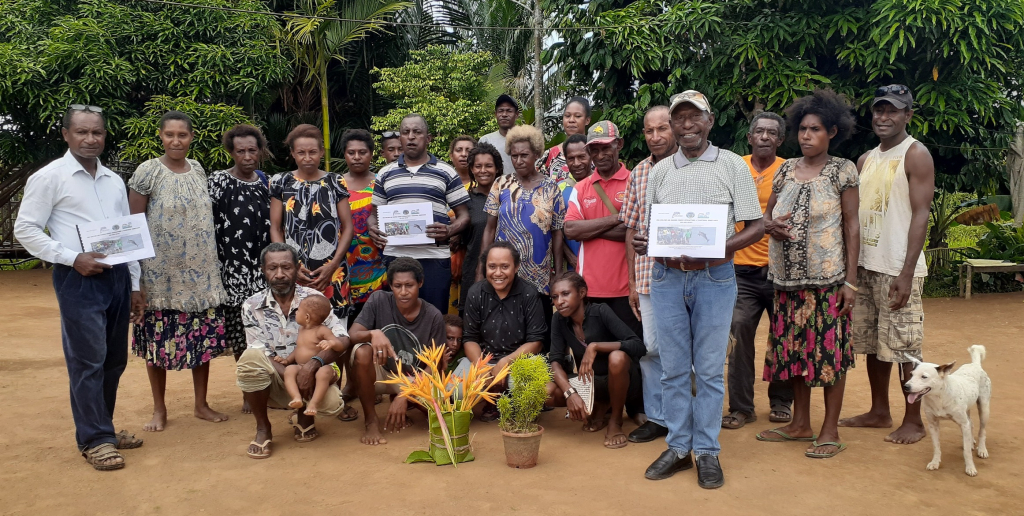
{"x": 770, "y": 116}
{"x": 278, "y": 247}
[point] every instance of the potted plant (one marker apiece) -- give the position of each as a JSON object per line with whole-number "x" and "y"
{"x": 519, "y": 407}
{"x": 449, "y": 401}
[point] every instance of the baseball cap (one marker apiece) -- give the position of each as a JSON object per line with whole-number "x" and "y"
{"x": 602, "y": 132}
{"x": 506, "y": 99}
{"x": 691, "y": 96}
{"x": 896, "y": 94}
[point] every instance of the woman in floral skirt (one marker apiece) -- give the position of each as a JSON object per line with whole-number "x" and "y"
{"x": 812, "y": 219}
{"x": 183, "y": 325}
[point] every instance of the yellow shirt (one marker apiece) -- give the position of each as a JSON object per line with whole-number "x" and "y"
{"x": 757, "y": 253}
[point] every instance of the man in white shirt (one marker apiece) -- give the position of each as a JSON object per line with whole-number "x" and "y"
{"x": 97, "y": 301}
{"x": 506, "y": 112}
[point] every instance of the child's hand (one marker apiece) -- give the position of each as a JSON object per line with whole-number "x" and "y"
{"x": 280, "y": 360}
{"x": 324, "y": 344}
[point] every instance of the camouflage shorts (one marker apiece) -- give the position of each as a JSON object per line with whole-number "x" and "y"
{"x": 893, "y": 336}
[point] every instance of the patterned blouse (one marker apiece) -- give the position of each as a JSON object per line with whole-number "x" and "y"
{"x": 816, "y": 256}
{"x": 366, "y": 269}
{"x": 273, "y": 330}
{"x": 185, "y": 273}
{"x": 241, "y": 211}
{"x": 526, "y": 219}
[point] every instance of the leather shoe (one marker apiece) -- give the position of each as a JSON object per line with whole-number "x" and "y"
{"x": 709, "y": 472}
{"x": 647, "y": 432}
{"x": 668, "y": 464}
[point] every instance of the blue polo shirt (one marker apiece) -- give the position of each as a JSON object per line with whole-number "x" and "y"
{"x": 435, "y": 182}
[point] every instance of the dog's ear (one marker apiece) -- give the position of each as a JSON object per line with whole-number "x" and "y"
{"x": 946, "y": 368}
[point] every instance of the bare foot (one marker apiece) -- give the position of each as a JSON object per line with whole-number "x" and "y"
{"x": 158, "y": 422}
{"x": 209, "y": 414}
{"x": 372, "y": 436}
{"x": 295, "y": 403}
{"x": 245, "y": 407}
{"x": 639, "y": 418}
{"x": 907, "y": 433}
{"x": 868, "y": 420}
{"x": 593, "y": 425}
{"x": 310, "y": 409}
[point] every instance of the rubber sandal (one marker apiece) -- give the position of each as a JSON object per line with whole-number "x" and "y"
{"x": 348, "y": 414}
{"x": 98, "y": 454}
{"x": 264, "y": 450}
{"x": 738, "y": 419}
{"x": 301, "y": 437}
{"x": 126, "y": 441}
{"x": 839, "y": 447}
{"x": 783, "y": 437}
{"x": 780, "y": 408}
{"x": 617, "y": 446}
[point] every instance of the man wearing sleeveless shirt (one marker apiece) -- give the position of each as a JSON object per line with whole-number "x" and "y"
{"x": 897, "y": 183}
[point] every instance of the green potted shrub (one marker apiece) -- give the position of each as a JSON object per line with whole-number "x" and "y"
{"x": 519, "y": 407}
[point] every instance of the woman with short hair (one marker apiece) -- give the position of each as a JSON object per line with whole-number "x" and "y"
{"x": 485, "y": 165}
{"x": 367, "y": 273}
{"x": 183, "y": 325}
{"x": 813, "y": 252}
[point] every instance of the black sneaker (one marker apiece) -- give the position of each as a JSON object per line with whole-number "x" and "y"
{"x": 647, "y": 432}
{"x": 668, "y": 464}
{"x": 709, "y": 472}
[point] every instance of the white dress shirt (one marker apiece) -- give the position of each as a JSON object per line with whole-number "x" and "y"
{"x": 62, "y": 195}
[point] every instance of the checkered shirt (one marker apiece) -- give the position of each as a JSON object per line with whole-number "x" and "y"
{"x": 634, "y": 215}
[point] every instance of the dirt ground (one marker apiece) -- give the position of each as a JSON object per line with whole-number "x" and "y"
{"x": 199, "y": 467}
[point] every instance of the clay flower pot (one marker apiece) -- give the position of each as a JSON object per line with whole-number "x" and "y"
{"x": 521, "y": 450}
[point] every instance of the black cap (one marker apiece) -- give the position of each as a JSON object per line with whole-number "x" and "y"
{"x": 506, "y": 99}
{"x": 896, "y": 94}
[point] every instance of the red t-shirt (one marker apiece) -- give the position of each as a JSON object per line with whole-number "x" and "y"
{"x": 601, "y": 262}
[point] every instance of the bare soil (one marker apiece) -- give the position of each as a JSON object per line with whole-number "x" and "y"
{"x": 199, "y": 467}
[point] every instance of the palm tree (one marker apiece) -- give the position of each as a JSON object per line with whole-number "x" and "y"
{"x": 316, "y": 42}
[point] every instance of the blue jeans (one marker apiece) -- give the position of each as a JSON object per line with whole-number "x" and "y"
{"x": 94, "y": 316}
{"x": 693, "y": 332}
{"x": 437, "y": 281}
{"x": 650, "y": 364}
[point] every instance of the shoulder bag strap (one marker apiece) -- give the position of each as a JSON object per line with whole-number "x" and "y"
{"x": 604, "y": 198}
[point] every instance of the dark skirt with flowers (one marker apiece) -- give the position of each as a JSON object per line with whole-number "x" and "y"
{"x": 175, "y": 340}
{"x": 808, "y": 338}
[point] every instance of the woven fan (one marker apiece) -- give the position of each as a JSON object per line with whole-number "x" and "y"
{"x": 586, "y": 391}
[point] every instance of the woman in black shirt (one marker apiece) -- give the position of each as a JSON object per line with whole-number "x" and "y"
{"x": 485, "y": 166}
{"x": 590, "y": 339}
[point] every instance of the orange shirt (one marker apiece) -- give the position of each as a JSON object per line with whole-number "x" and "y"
{"x": 757, "y": 253}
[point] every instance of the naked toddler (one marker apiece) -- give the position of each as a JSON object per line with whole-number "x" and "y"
{"x": 313, "y": 337}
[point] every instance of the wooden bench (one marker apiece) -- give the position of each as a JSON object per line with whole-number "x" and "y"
{"x": 979, "y": 266}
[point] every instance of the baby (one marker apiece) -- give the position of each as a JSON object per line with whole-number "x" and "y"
{"x": 313, "y": 337}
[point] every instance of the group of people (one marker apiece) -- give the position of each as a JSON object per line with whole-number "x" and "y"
{"x": 535, "y": 251}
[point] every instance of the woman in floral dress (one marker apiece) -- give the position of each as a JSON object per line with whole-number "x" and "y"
{"x": 241, "y": 213}
{"x": 183, "y": 325}
{"x": 309, "y": 211}
{"x": 367, "y": 273}
{"x": 812, "y": 219}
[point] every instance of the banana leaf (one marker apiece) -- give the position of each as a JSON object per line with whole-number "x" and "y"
{"x": 458, "y": 428}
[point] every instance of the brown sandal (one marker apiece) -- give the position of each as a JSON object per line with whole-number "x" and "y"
{"x": 736, "y": 420}
{"x": 126, "y": 441}
{"x": 106, "y": 451}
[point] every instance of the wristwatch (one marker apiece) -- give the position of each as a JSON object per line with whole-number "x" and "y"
{"x": 570, "y": 392}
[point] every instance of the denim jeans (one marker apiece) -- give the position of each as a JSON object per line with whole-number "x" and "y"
{"x": 650, "y": 364}
{"x": 437, "y": 280}
{"x": 94, "y": 316}
{"x": 693, "y": 332}
{"x": 754, "y": 296}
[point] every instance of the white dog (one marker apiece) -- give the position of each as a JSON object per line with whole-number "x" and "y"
{"x": 949, "y": 396}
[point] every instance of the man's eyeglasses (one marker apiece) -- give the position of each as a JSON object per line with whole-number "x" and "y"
{"x": 388, "y": 134}
{"x": 895, "y": 89}
{"x": 86, "y": 108}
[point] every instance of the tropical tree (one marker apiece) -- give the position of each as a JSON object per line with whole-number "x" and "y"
{"x": 316, "y": 41}
{"x": 964, "y": 59}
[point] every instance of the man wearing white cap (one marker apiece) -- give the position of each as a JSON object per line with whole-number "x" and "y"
{"x": 696, "y": 295}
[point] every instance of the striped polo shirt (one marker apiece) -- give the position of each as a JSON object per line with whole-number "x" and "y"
{"x": 435, "y": 182}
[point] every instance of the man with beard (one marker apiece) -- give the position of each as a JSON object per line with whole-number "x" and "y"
{"x": 754, "y": 293}
{"x": 419, "y": 177}
{"x": 506, "y": 112}
{"x": 271, "y": 330}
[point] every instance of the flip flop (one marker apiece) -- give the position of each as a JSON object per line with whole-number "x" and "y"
{"x": 616, "y": 446}
{"x": 348, "y": 414}
{"x": 264, "y": 450}
{"x": 784, "y": 437}
{"x": 126, "y": 441}
{"x": 738, "y": 419}
{"x": 302, "y": 436}
{"x": 839, "y": 447}
{"x": 778, "y": 407}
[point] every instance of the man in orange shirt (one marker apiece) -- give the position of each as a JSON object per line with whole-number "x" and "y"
{"x": 754, "y": 291}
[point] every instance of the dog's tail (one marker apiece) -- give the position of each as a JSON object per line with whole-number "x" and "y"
{"x": 977, "y": 352}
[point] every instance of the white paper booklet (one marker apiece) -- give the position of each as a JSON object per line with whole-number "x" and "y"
{"x": 122, "y": 239}
{"x": 406, "y": 224}
{"x": 694, "y": 230}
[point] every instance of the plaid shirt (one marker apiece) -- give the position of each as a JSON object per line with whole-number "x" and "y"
{"x": 634, "y": 215}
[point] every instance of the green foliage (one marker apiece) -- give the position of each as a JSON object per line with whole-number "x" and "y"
{"x": 529, "y": 375}
{"x": 450, "y": 89}
{"x": 1003, "y": 242}
{"x": 209, "y": 121}
{"x": 964, "y": 59}
{"x": 118, "y": 54}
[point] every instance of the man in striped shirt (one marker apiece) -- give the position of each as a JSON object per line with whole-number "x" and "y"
{"x": 419, "y": 177}
{"x": 661, "y": 143}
